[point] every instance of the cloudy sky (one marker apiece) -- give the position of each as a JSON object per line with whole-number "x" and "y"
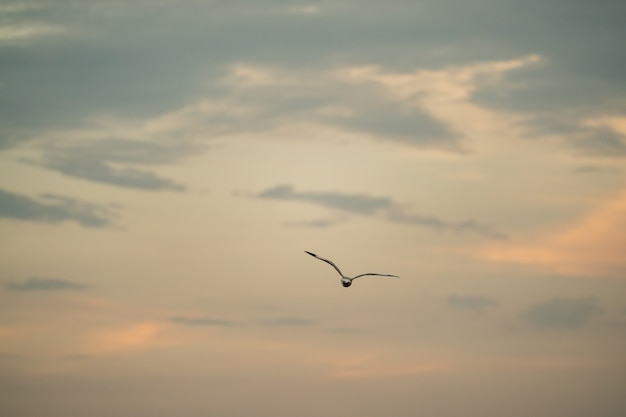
{"x": 165, "y": 164}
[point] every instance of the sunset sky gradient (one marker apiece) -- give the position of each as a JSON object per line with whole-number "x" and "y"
{"x": 165, "y": 164}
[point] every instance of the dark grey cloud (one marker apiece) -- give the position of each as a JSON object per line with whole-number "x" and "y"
{"x": 100, "y": 161}
{"x": 44, "y": 284}
{"x": 415, "y": 128}
{"x": 289, "y": 322}
{"x": 366, "y": 109}
{"x": 370, "y": 205}
{"x": 202, "y": 321}
{"x": 171, "y": 59}
{"x": 589, "y": 141}
{"x": 581, "y": 77}
{"x": 600, "y": 142}
{"x": 51, "y": 208}
{"x": 99, "y": 172}
{"x": 477, "y": 303}
{"x": 557, "y": 313}
{"x": 139, "y": 59}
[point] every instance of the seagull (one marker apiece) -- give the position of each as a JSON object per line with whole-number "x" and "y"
{"x": 347, "y": 281}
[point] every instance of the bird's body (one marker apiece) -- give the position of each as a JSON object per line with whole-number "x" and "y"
{"x": 345, "y": 280}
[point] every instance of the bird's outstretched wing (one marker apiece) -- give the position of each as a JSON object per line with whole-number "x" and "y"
{"x": 327, "y": 261}
{"x": 379, "y": 275}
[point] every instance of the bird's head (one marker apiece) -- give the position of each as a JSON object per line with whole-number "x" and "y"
{"x": 346, "y": 283}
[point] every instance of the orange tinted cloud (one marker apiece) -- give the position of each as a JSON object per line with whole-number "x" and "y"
{"x": 129, "y": 338}
{"x": 594, "y": 245}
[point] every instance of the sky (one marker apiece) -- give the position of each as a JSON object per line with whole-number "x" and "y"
{"x": 165, "y": 164}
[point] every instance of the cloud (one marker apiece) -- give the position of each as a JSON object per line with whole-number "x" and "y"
{"x": 202, "y": 321}
{"x": 443, "y": 93}
{"x": 396, "y": 214}
{"x": 113, "y": 59}
{"x": 355, "y": 203}
{"x": 591, "y": 245}
{"x": 279, "y": 95}
{"x": 100, "y": 161}
{"x": 600, "y": 142}
{"x": 22, "y": 21}
{"x": 152, "y": 75}
{"x": 559, "y": 313}
{"x": 587, "y": 135}
{"x": 567, "y": 120}
{"x": 45, "y": 284}
{"x": 589, "y": 169}
{"x": 54, "y": 209}
{"x": 289, "y": 322}
{"x": 316, "y": 223}
{"x": 385, "y": 120}
{"x": 364, "y": 204}
{"x": 583, "y": 73}
{"x": 477, "y": 303}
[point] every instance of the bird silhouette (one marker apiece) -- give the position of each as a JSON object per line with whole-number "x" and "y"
{"x": 345, "y": 280}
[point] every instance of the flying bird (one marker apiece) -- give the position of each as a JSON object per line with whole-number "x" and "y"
{"x": 347, "y": 281}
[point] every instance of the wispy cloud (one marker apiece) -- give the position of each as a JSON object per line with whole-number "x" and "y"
{"x": 600, "y": 142}
{"x": 397, "y": 214}
{"x": 589, "y": 169}
{"x": 53, "y": 208}
{"x": 289, "y": 322}
{"x": 557, "y": 313}
{"x": 316, "y": 223}
{"x": 365, "y": 204}
{"x": 44, "y": 284}
{"x": 477, "y": 303}
{"x": 355, "y": 203}
{"x": 114, "y": 161}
